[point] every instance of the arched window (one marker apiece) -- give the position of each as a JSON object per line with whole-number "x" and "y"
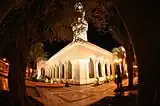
{"x": 57, "y": 72}
{"x": 51, "y": 72}
{"x": 99, "y": 70}
{"x": 106, "y": 73}
{"x": 69, "y": 70}
{"x": 62, "y": 71}
{"x": 54, "y": 72}
{"x": 91, "y": 69}
{"x": 110, "y": 69}
{"x": 42, "y": 71}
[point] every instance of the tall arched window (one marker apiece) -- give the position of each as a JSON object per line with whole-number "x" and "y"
{"x": 57, "y": 72}
{"x": 54, "y": 73}
{"x": 99, "y": 70}
{"x": 110, "y": 69}
{"x": 42, "y": 71}
{"x": 106, "y": 73}
{"x": 69, "y": 70}
{"x": 91, "y": 69}
{"x": 62, "y": 71}
{"x": 51, "y": 72}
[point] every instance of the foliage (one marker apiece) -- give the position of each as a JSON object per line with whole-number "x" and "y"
{"x": 119, "y": 52}
{"x": 106, "y": 80}
{"x": 96, "y": 83}
{"x": 37, "y": 53}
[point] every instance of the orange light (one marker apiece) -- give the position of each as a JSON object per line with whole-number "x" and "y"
{"x": 4, "y": 59}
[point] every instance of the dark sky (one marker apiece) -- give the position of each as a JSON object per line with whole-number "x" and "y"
{"x": 105, "y": 41}
{"x": 138, "y": 15}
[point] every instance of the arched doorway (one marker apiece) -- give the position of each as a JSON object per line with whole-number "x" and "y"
{"x": 54, "y": 72}
{"x": 99, "y": 70}
{"x": 42, "y": 71}
{"x": 63, "y": 71}
{"x": 91, "y": 69}
{"x": 111, "y": 69}
{"x": 106, "y": 73}
{"x": 69, "y": 70}
{"x": 57, "y": 72}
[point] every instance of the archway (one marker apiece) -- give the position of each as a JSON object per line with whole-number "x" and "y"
{"x": 54, "y": 70}
{"x": 69, "y": 70}
{"x": 57, "y": 71}
{"x": 111, "y": 69}
{"x": 99, "y": 70}
{"x": 91, "y": 69}
{"x": 63, "y": 71}
{"x": 42, "y": 71}
{"x": 106, "y": 73}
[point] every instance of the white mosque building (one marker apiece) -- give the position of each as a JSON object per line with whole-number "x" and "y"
{"x": 80, "y": 62}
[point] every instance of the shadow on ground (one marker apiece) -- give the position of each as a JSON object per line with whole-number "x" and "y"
{"x": 119, "y": 99}
{"x": 4, "y": 101}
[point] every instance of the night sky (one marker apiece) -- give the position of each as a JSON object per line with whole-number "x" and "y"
{"x": 105, "y": 41}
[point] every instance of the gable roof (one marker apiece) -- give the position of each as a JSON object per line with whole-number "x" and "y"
{"x": 81, "y": 49}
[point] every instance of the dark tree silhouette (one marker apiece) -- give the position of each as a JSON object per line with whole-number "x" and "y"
{"x": 23, "y": 26}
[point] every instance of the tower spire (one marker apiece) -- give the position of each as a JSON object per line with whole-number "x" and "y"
{"x": 79, "y": 25}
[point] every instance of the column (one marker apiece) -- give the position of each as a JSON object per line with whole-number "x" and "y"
{"x": 65, "y": 72}
{"x": 113, "y": 69}
{"x": 103, "y": 69}
{"x": 48, "y": 72}
{"x": 60, "y": 72}
{"x": 96, "y": 69}
{"x": 108, "y": 69}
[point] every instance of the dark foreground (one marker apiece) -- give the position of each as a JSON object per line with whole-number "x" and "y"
{"x": 4, "y": 101}
{"x": 120, "y": 99}
{"x": 117, "y": 101}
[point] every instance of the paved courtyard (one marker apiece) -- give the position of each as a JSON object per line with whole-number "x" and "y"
{"x": 74, "y": 95}
{"x": 77, "y": 95}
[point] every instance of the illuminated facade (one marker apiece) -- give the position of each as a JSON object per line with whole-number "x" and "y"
{"x": 80, "y": 62}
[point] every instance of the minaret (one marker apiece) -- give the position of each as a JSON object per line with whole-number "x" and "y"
{"x": 79, "y": 25}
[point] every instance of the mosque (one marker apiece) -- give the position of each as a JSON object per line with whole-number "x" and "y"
{"x": 80, "y": 62}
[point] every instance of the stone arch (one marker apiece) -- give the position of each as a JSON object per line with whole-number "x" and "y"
{"x": 106, "y": 71}
{"x": 57, "y": 71}
{"x": 99, "y": 70}
{"x": 43, "y": 71}
{"x": 63, "y": 70}
{"x": 69, "y": 70}
{"x": 91, "y": 69}
{"x": 54, "y": 72}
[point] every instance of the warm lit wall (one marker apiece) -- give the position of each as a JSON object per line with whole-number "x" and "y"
{"x": 79, "y": 54}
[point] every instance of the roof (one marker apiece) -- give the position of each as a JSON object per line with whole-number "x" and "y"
{"x": 80, "y": 50}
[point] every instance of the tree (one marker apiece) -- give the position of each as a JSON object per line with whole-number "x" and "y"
{"x": 23, "y": 26}
{"x": 37, "y": 54}
{"x": 120, "y": 53}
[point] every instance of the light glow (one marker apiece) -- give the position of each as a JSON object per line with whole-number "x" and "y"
{"x": 135, "y": 66}
{"x": 118, "y": 60}
{"x": 7, "y": 64}
{"x": 38, "y": 73}
{"x": 4, "y": 59}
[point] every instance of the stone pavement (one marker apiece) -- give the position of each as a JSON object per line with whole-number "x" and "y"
{"x": 77, "y": 95}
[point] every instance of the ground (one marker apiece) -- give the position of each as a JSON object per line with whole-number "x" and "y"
{"x": 77, "y": 95}
{"x": 74, "y": 95}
